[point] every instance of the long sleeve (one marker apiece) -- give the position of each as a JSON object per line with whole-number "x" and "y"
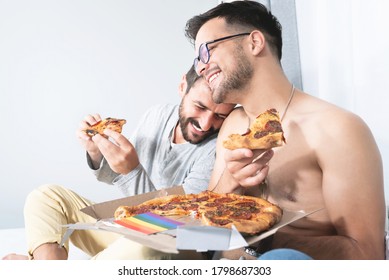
{"x": 135, "y": 182}
{"x": 104, "y": 173}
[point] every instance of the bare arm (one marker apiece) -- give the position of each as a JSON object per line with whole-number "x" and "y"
{"x": 221, "y": 180}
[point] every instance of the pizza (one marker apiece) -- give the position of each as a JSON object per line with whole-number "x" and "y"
{"x": 250, "y": 215}
{"x": 264, "y": 133}
{"x": 111, "y": 123}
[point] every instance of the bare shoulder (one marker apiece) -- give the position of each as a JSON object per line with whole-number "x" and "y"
{"x": 326, "y": 124}
{"x": 236, "y": 122}
{"x": 332, "y": 131}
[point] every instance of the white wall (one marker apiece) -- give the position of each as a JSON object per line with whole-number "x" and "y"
{"x": 60, "y": 60}
{"x": 344, "y": 58}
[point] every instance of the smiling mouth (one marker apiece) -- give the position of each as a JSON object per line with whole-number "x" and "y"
{"x": 213, "y": 77}
{"x": 197, "y": 128}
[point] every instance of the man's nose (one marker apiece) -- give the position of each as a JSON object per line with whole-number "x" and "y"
{"x": 201, "y": 67}
{"x": 206, "y": 121}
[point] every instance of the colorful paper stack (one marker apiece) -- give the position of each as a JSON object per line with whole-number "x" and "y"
{"x": 148, "y": 223}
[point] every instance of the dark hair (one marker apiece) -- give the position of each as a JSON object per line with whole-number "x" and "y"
{"x": 243, "y": 14}
{"x": 191, "y": 78}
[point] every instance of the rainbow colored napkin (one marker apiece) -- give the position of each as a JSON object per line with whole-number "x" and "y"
{"x": 148, "y": 223}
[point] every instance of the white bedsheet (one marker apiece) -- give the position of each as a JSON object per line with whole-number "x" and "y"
{"x": 14, "y": 241}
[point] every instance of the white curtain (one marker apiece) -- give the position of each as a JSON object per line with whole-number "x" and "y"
{"x": 344, "y": 51}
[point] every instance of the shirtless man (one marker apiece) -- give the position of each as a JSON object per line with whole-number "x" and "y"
{"x": 331, "y": 160}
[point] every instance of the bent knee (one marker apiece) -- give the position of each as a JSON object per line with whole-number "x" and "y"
{"x": 41, "y": 193}
{"x": 47, "y": 188}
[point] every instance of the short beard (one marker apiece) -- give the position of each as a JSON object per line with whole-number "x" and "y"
{"x": 184, "y": 122}
{"x": 235, "y": 80}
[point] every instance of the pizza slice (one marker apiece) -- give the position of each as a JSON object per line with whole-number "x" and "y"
{"x": 111, "y": 123}
{"x": 264, "y": 133}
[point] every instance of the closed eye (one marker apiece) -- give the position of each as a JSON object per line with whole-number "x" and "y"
{"x": 220, "y": 117}
{"x": 201, "y": 108}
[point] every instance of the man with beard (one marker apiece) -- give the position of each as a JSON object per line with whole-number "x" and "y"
{"x": 172, "y": 145}
{"x": 330, "y": 160}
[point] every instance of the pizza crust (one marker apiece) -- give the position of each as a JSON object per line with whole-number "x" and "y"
{"x": 237, "y": 141}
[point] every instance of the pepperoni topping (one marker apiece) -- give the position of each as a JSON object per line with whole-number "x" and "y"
{"x": 177, "y": 200}
{"x": 241, "y": 215}
{"x": 273, "y": 126}
{"x": 273, "y": 111}
{"x": 221, "y": 222}
{"x": 270, "y": 127}
{"x": 199, "y": 199}
{"x": 223, "y": 200}
{"x": 260, "y": 134}
{"x": 246, "y": 203}
{"x": 167, "y": 207}
{"x": 211, "y": 204}
{"x": 191, "y": 206}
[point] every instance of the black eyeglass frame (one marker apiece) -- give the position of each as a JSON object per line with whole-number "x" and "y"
{"x": 199, "y": 57}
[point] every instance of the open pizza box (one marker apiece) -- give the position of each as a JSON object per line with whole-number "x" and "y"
{"x": 190, "y": 235}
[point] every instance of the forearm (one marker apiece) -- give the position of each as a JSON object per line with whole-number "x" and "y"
{"x": 324, "y": 247}
{"x": 226, "y": 184}
{"x": 135, "y": 182}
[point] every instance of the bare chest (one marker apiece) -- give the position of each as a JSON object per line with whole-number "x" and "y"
{"x": 295, "y": 182}
{"x": 294, "y": 178}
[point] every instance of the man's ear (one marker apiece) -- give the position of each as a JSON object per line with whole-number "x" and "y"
{"x": 258, "y": 42}
{"x": 182, "y": 86}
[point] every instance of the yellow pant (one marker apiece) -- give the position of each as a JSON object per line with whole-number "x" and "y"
{"x": 50, "y": 206}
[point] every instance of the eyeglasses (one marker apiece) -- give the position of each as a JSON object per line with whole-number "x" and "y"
{"x": 204, "y": 50}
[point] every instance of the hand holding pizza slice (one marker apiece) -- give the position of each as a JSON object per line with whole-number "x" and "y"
{"x": 264, "y": 133}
